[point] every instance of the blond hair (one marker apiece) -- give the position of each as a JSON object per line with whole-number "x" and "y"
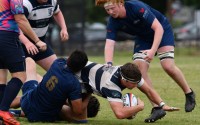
{"x": 102, "y": 2}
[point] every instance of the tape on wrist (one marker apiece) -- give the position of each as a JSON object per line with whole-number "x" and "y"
{"x": 161, "y": 104}
{"x": 110, "y": 63}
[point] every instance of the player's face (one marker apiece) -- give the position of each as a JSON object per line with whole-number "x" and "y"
{"x": 113, "y": 10}
{"x": 42, "y": 1}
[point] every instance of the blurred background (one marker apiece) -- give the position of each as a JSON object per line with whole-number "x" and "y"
{"x": 86, "y": 25}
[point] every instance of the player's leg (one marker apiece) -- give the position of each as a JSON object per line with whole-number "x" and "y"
{"x": 12, "y": 58}
{"x": 30, "y": 69}
{"x": 166, "y": 55}
{"x": 3, "y": 81}
{"x": 47, "y": 62}
{"x": 138, "y": 58}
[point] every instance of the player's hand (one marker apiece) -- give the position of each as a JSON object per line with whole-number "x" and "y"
{"x": 149, "y": 55}
{"x": 42, "y": 45}
{"x": 108, "y": 64}
{"x": 31, "y": 48}
{"x": 140, "y": 104}
{"x": 170, "y": 109}
{"x": 64, "y": 35}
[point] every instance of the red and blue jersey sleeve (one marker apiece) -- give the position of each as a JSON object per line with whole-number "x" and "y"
{"x": 9, "y": 8}
{"x": 16, "y": 6}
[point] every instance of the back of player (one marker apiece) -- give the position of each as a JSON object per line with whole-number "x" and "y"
{"x": 46, "y": 99}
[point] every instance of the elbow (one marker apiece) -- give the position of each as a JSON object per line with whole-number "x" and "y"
{"x": 119, "y": 115}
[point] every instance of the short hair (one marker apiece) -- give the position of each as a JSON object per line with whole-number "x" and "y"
{"x": 93, "y": 107}
{"x": 77, "y": 61}
{"x": 131, "y": 72}
{"x": 102, "y": 2}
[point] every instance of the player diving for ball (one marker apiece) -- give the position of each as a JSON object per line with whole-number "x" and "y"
{"x": 109, "y": 82}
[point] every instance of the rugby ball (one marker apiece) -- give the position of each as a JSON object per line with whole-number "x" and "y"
{"x": 129, "y": 100}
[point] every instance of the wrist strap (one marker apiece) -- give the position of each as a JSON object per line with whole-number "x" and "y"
{"x": 161, "y": 104}
{"x": 37, "y": 41}
{"x": 110, "y": 63}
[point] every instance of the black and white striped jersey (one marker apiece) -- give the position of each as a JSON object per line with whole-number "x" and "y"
{"x": 104, "y": 81}
{"x": 39, "y": 15}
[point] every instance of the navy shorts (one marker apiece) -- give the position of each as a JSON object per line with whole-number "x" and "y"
{"x": 33, "y": 113}
{"x": 41, "y": 55}
{"x": 25, "y": 101}
{"x": 167, "y": 40}
{"x": 11, "y": 52}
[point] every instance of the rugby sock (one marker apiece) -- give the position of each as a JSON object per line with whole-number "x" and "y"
{"x": 2, "y": 88}
{"x": 80, "y": 121}
{"x": 16, "y": 113}
{"x": 11, "y": 91}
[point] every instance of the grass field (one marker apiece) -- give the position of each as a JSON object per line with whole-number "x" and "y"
{"x": 189, "y": 63}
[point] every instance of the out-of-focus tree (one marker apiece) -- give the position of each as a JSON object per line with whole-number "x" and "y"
{"x": 194, "y": 3}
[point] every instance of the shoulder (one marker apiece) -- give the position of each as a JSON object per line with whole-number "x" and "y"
{"x": 54, "y": 2}
{"x": 28, "y": 5}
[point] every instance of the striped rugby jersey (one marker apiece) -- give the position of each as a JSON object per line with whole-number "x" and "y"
{"x": 9, "y": 8}
{"x": 104, "y": 81}
{"x": 39, "y": 15}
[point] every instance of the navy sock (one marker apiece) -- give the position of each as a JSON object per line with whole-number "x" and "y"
{"x": 2, "y": 88}
{"x": 11, "y": 91}
{"x": 16, "y": 113}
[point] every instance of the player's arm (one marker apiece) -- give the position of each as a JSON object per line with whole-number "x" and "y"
{"x": 59, "y": 18}
{"x": 158, "y": 33}
{"x": 150, "y": 93}
{"x": 109, "y": 51}
{"x": 26, "y": 28}
{"x": 122, "y": 112}
{"x": 31, "y": 48}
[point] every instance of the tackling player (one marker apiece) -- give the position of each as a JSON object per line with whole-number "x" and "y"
{"x": 43, "y": 102}
{"x": 153, "y": 36}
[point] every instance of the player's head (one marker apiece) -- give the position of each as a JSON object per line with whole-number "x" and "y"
{"x": 77, "y": 61}
{"x": 115, "y": 8}
{"x": 107, "y": 2}
{"x": 93, "y": 107}
{"x": 130, "y": 73}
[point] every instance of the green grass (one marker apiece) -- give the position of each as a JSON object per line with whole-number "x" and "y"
{"x": 164, "y": 85}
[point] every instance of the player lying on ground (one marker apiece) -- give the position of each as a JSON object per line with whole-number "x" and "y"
{"x": 43, "y": 102}
{"x": 109, "y": 82}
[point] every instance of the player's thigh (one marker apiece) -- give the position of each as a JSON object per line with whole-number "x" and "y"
{"x": 47, "y": 62}
{"x": 3, "y": 76}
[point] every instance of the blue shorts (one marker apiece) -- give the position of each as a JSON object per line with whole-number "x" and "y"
{"x": 167, "y": 40}
{"x": 25, "y": 102}
{"x": 39, "y": 56}
{"x": 28, "y": 105}
{"x": 11, "y": 53}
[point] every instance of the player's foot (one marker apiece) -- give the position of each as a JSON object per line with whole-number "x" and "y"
{"x": 8, "y": 118}
{"x": 190, "y": 101}
{"x": 156, "y": 113}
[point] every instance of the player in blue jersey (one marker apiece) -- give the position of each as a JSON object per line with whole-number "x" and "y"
{"x": 153, "y": 36}
{"x": 11, "y": 54}
{"x": 44, "y": 101}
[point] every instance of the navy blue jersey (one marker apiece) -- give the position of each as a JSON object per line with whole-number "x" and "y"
{"x": 47, "y": 99}
{"x": 138, "y": 21}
